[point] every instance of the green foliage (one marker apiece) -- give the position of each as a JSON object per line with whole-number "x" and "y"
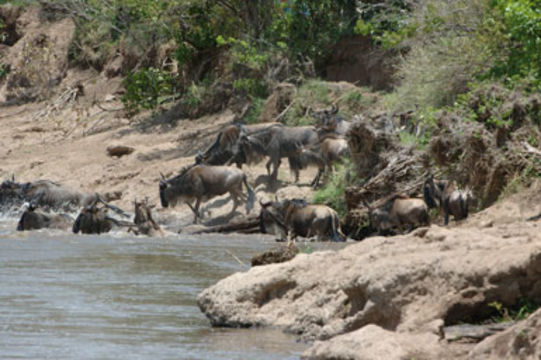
{"x": 4, "y": 70}
{"x": 520, "y": 311}
{"x": 146, "y": 89}
{"x": 521, "y": 20}
{"x": 252, "y": 117}
{"x": 251, "y": 86}
{"x": 387, "y": 25}
{"x": 333, "y": 192}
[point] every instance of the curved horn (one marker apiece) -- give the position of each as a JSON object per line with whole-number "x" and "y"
{"x": 163, "y": 176}
{"x": 334, "y": 109}
{"x": 265, "y": 205}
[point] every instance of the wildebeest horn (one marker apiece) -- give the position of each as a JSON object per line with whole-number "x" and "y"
{"x": 334, "y": 109}
{"x": 13, "y": 177}
{"x": 265, "y": 205}
{"x": 163, "y": 176}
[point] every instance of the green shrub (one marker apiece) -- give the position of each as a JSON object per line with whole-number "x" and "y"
{"x": 252, "y": 116}
{"x": 333, "y": 192}
{"x": 146, "y": 89}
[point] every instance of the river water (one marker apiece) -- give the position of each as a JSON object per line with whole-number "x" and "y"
{"x": 65, "y": 296}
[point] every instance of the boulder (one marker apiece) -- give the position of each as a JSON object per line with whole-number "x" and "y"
{"x": 401, "y": 283}
{"x": 522, "y": 341}
{"x": 372, "y": 342}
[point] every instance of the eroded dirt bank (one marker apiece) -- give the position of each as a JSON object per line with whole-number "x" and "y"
{"x": 406, "y": 285}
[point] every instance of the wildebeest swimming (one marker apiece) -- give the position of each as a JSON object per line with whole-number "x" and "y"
{"x": 398, "y": 211}
{"x": 202, "y": 182}
{"x": 44, "y": 194}
{"x": 296, "y": 217}
{"x": 445, "y": 195}
{"x": 144, "y": 221}
{"x": 31, "y": 219}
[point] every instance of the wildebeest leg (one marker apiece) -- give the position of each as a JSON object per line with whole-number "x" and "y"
{"x": 268, "y": 165}
{"x": 195, "y": 210}
{"x": 315, "y": 182}
{"x": 274, "y": 175}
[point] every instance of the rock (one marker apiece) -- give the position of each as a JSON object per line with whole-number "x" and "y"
{"x": 278, "y": 254}
{"x": 522, "y": 341}
{"x": 372, "y": 342}
{"x": 402, "y": 283}
{"x": 119, "y": 150}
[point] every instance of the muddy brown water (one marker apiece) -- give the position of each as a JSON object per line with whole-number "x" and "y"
{"x": 66, "y": 296}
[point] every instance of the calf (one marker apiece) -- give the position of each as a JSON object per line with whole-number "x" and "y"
{"x": 399, "y": 211}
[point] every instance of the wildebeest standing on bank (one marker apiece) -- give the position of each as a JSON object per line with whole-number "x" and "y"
{"x": 330, "y": 121}
{"x": 399, "y": 211}
{"x": 298, "y": 218}
{"x": 34, "y": 220}
{"x": 228, "y": 149}
{"x": 143, "y": 220}
{"x": 445, "y": 195}
{"x": 286, "y": 143}
{"x": 202, "y": 182}
{"x": 323, "y": 155}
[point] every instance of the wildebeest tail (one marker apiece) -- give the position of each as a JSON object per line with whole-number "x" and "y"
{"x": 20, "y": 224}
{"x": 251, "y": 195}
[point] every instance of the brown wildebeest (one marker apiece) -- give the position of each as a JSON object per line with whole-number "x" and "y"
{"x": 203, "y": 182}
{"x": 227, "y": 148}
{"x": 34, "y": 220}
{"x": 93, "y": 219}
{"x": 287, "y": 142}
{"x": 143, "y": 220}
{"x": 398, "y": 211}
{"x": 298, "y": 218}
{"x": 328, "y": 151}
{"x": 445, "y": 195}
{"x": 329, "y": 121}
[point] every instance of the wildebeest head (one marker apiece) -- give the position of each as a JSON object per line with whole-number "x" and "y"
{"x": 326, "y": 118}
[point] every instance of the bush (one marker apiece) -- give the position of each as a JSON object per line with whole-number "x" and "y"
{"x": 146, "y": 89}
{"x": 332, "y": 193}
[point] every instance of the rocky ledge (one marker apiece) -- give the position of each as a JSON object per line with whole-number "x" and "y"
{"x": 409, "y": 286}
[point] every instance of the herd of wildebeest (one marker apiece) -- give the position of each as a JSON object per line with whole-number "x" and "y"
{"x": 213, "y": 174}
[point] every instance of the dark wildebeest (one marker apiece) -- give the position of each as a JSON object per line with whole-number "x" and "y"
{"x": 146, "y": 225}
{"x": 287, "y": 142}
{"x": 298, "y": 218}
{"x": 34, "y": 220}
{"x": 227, "y": 149}
{"x": 398, "y": 211}
{"x": 330, "y": 121}
{"x": 93, "y": 219}
{"x": 445, "y": 195}
{"x": 44, "y": 194}
{"x": 323, "y": 155}
{"x": 203, "y": 182}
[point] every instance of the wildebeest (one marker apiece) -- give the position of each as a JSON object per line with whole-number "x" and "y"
{"x": 228, "y": 148}
{"x": 445, "y": 195}
{"x": 296, "y": 217}
{"x": 323, "y": 155}
{"x": 202, "y": 182}
{"x": 34, "y": 220}
{"x": 44, "y": 194}
{"x": 398, "y": 211}
{"x": 330, "y": 121}
{"x": 94, "y": 219}
{"x": 287, "y": 142}
{"x": 143, "y": 220}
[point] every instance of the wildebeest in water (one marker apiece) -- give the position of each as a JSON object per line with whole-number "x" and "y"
{"x": 32, "y": 219}
{"x": 144, "y": 221}
{"x": 296, "y": 217}
{"x": 201, "y": 182}
{"x": 94, "y": 219}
